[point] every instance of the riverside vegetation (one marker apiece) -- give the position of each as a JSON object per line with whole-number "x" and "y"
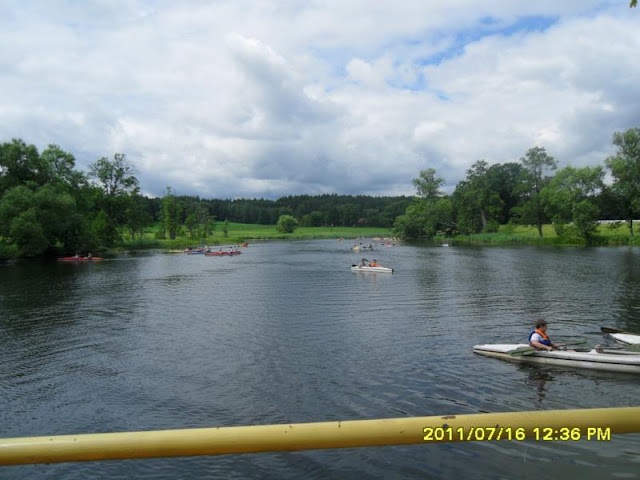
{"x": 49, "y": 207}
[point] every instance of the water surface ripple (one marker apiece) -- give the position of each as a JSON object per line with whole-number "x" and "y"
{"x": 287, "y": 333}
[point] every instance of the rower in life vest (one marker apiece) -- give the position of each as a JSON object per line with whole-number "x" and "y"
{"x": 538, "y": 337}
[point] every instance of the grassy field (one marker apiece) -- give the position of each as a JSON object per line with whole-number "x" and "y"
{"x": 606, "y": 235}
{"x": 243, "y": 232}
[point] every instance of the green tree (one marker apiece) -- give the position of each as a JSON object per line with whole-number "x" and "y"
{"x": 475, "y": 202}
{"x": 19, "y": 165}
{"x": 625, "y": 170}
{"x": 536, "y": 163}
{"x": 171, "y": 213}
{"x": 59, "y": 167}
{"x": 286, "y": 224}
{"x": 505, "y": 180}
{"x": 430, "y": 212}
{"x": 117, "y": 182}
{"x": 571, "y": 196}
{"x": 428, "y": 185}
{"x": 37, "y": 218}
{"x": 116, "y": 177}
{"x": 137, "y": 216}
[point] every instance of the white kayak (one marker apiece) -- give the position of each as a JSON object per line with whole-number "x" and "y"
{"x": 358, "y": 268}
{"x": 609, "y": 361}
{"x": 627, "y": 338}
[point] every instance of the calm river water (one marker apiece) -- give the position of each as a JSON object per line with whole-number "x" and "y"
{"x": 287, "y": 333}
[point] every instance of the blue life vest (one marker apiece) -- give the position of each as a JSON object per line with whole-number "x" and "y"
{"x": 545, "y": 338}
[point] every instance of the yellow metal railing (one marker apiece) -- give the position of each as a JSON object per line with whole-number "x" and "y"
{"x": 601, "y": 424}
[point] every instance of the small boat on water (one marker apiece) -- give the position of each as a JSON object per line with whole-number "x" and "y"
{"x": 80, "y": 259}
{"x": 222, "y": 253}
{"x": 626, "y": 338}
{"x": 358, "y": 268}
{"x": 621, "y": 336}
{"x": 589, "y": 358}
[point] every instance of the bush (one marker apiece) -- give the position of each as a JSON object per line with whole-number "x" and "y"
{"x": 286, "y": 224}
{"x": 7, "y": 251}
{"x": 491, "y": 227}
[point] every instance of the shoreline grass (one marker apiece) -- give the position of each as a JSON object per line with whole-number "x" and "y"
{"x": 244, "y": 232}
{"x": 607, "y": 235}
{"x": 616, "y": 234}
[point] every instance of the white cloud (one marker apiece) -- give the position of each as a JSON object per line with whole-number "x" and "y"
{"x": 243, "y": 98}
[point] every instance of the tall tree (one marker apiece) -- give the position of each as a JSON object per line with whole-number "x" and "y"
{"x": 536, "y": 163}
{"x": 505, "y": 179}
{"x": 59, "y": 166}
{"x": 171, "y": 213}
{"x": 475, "y": 201}
{"x": 116, "y": 177}
{"x": 37, "y": 218}
{"x": 571, "y": 196}
{"x": 430, "y": 211}
{"x": 625, "y": 170}
{"x": 117, "y": 184}
{"x": 19, "y": 165}
{"x": 428, "y": 185}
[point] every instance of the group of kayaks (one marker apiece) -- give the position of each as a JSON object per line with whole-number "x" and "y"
{"x": 211, "y": 251}
{"x": 618, "y": 359}
{"x": 79, "y": 259}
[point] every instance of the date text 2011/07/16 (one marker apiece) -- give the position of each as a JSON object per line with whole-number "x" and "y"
{"x": 470, "y": 434}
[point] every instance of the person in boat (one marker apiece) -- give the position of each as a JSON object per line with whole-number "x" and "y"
{"x": 363, "y": 263}
{"x": 89, "y": 255}
{"x": 538, "y": 337}
{"x": 374, "y": 263}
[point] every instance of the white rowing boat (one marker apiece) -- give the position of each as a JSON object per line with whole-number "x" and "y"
{"x": 626, "y": 338}
{"x": 358, "y": 268}
{"x": 608, "y": 361}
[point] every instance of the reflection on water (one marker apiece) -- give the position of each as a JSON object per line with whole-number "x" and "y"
{"x": 287, "y": 333}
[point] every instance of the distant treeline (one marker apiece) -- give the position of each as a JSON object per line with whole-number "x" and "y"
{"x": 530, "y": 192}
{"x": 48, "y": 206}
{"x": 310, "y": 211}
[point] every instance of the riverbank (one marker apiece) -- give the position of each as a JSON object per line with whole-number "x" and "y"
{"x": 244, "y": 232}
{"x": 607, "y": 234}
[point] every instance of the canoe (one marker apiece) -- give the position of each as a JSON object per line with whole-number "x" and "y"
{"x": 357, "y": 268}
{"x": 79, "y": 259}
{"x": 626, "y": 338}
{"x": 223, "y": 253}
{"x": 590, "y": 359}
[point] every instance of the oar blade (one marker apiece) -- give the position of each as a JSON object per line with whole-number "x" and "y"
{"x": 610, "y": 330}
{"x": 521, "y": 351}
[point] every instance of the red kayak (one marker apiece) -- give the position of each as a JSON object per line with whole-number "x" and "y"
{"x": 79, "y": 259}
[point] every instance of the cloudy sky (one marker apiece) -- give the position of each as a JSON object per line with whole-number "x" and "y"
{"x": 265, "y": 98}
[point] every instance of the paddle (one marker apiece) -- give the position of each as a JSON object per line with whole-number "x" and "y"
{"x": 611, "y": 330}
{"x": 529, "y": 350}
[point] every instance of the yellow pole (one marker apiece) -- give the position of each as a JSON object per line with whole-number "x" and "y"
{"x": 600, "y": 424}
